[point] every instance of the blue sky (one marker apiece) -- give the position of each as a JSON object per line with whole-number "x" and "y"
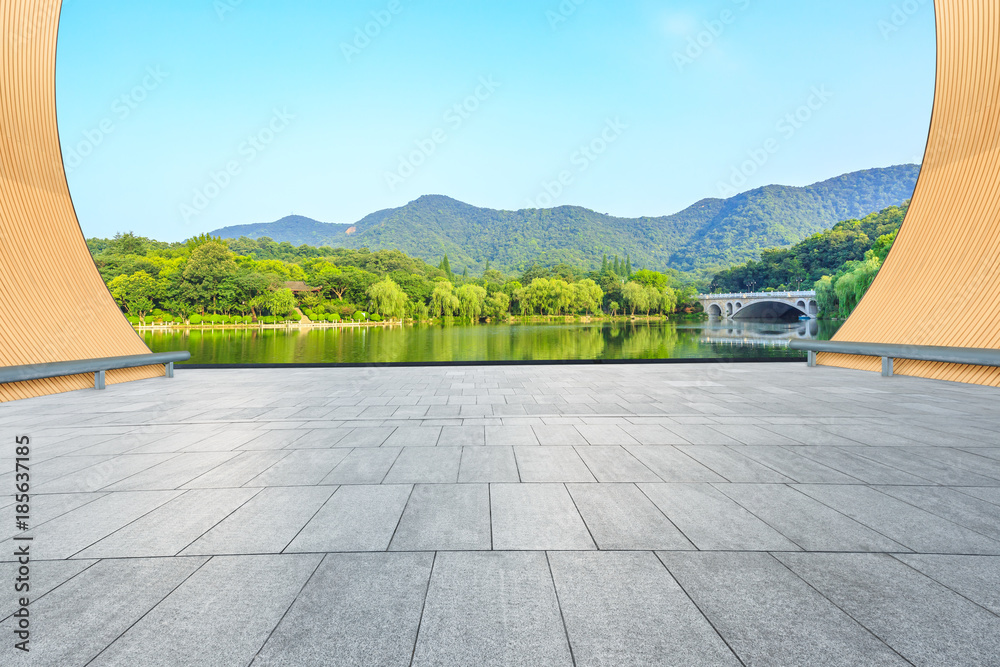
{"x": 182, "y": 117}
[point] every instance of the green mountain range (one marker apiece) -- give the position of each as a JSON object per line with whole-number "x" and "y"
{"x": 710, "y": 234}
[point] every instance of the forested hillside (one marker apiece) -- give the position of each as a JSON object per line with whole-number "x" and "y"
{"x": 709, "y": 235}
{"x": 822, "y": 254}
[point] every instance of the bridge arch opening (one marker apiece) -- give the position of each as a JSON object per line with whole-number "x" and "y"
{"x": 770, "y": 311}
{"x": 715, "y": 310}
{"x": 729, "y": 309}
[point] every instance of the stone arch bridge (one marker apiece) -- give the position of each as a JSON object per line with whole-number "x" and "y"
{"x": 760, "y": 305}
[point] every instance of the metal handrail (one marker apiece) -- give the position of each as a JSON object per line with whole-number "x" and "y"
{"x": 970, "y": 356}
{"x": 96, "y": 366}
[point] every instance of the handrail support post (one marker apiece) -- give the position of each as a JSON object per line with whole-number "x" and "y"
{"x": 887, "y": 367}
{"x": 812, "y": 359}
{"x": 99, "y": 380}
{"x": 170, "y": 369}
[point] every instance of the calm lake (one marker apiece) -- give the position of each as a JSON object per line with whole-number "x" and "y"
{"x": 492, "y": 342}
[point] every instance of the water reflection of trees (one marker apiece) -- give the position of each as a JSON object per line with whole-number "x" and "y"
{"x": 450, "y": 342}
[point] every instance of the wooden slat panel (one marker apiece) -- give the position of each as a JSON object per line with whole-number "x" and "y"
{"x": 53, "y": 304}
{"x": 939, "y": 285}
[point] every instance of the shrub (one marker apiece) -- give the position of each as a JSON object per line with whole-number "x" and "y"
{"x": 333, "y": 317}
{"x": 268, "y": 320}
{"x": 226, "y": 319}
{"x": 294, "y": 316}
{"x": 377, "y": 318}
{"x": 358, "y": 316}
{"x": 196, "y": 319}
{"x": 134, "y": 321}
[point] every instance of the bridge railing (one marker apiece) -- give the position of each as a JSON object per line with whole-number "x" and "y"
{"x": 760, "y": 295}
{"x": 96, "y": 366}
{"x": 971, "y": 356}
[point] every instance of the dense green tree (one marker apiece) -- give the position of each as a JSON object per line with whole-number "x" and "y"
{"x": 134, "y": 293}
{"x": 444, "y": 302}
{"x": 387, "y": 299}
{"x": 211, "y": 263}
{"x": 498, "y": 306}
{"x": 636, "y": 297}
{"x": 472, "y": 301}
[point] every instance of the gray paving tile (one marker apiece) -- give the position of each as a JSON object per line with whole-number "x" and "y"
{"x": 929, "y": 469}
{"x": 609, "y": 434}
{"x": 303, "y": 467}
{"x": 990, "y": 495}
{"x": 101, "y": 474}
{"x": 370, "y": 606}
{"x": 75, "y": 622}
{"x": 558, "y": 435}
{"x": 265, "y": 524}
{"x": 222, "y": 615}
{"x": 320, "y": 438}
{"x": 858, "y": 467}
{"x": 625, "y": 608}
{"x": 749, "y": 434}
{"x": 491, "y": 609}
{"x": 951, "y": 504}
{"x": 769, "y": 616}
{"x": 45, "y": 576}
{"x": 173, "y": 473}
{"x": 488, "y": 464}
{"x": 921, "y": 619}
{"x": 510, "y": 436}
{"x": 615, "y": 464}
{"x": 729, "y": 463}
{"x": 445, "y": 517}
{"x": 356, "y": 518}
{"x": 414, "y": 436}
{"x": 672, "y": 465}
{"x": 363, "y": 466}
{"x": 551, "y": 464}
{"x": 224, "y": 440}
{"x": 274, "y": 439}
{"x": 536, "y": 516}
{"x": 366, "y": 437}
{"x": 44, "y": 508}
{"x": 619, "y": 516}
{"x": 798, "y": 468}
{"x": 237, "y": 471}
{"x": 172, "y": 526}
{"x": 701, "y": 435}
{"x": 912, "y": 527}
{"x": 73, "y": 531}
{"x": 425, "y": 465}
{"x": 805, "y": 521}
{"x": 977, "y": 578}
{"x": 653, "y": 434}
{"x": 713, "y": 521}
{"x": 461, "y": 436}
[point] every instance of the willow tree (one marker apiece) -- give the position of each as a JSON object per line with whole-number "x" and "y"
{"x": 472, "y": 301}
{"x": 443, "y": 299}
{"x": 387, "y": 299}
{"x": 636, "y": 297}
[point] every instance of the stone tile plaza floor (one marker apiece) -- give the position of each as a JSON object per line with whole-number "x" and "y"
{"x": 761, "y": 514}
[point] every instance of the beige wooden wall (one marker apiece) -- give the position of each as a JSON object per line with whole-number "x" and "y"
{"x": 53, "y": 303}
{"x": 941, "y": 283}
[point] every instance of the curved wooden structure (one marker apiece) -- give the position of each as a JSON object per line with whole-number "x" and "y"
{"x": 53, "y": 304}
{"x": 939, "y": 285}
